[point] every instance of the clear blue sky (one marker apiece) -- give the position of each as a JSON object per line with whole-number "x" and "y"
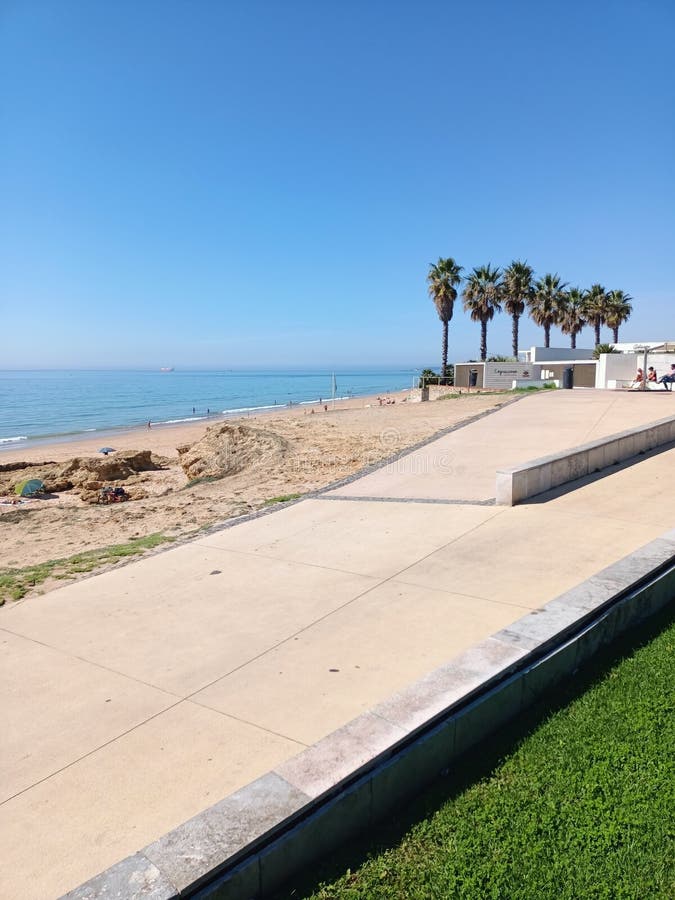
{"x": 265, "y": 183}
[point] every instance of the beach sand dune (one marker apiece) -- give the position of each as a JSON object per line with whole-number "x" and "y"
{"x": 238, "y": 467}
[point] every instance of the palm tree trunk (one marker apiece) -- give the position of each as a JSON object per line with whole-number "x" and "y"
{"x": 597, "y": 332}
{"x": 483, "y": 341}
{"x": 616, "y": 334}
{"x": 573, "y": 340}
{"x": 514, "y": 336}
{"x": 547, "y": 335}
{"x": 444, "y": 351}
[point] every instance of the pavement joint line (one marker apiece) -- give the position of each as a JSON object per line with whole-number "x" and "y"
{"x": 468, "y": 596}
{"x": 325, "y": 514}
{"x": 490, "y": 501}
{"x": 138, "y": 725}
{"x": 91, "y": 662}
{"x": 374, "y": 467}
{"x": 287, "y": 639}
{"x": 310, "y": 495}
{"x": 449, "y": 543}
{"x": 91, "y": 752}
{"x": 178, "y": 697}
{"x": 294, "y": 562}
{"x": 190, "y": 696}
{"x": 228, "y": 715}
{"x": 318, "y": 493}
{"x": 583, "y": 628}
{"x": 590, "y": 431}
{"x": 337, "y": 609}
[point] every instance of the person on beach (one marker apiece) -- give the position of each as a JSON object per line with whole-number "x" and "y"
{"x": 149, "y": 423}
{"x": 667, "y": 380}
{"x": 639, "y": 378}
{"x": 651, "y": 374}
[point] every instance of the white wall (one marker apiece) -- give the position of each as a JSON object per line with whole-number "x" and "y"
{"x": 617, "y": 366}
{"x": 623, "y": 366}
{"x": 661, "y": 362}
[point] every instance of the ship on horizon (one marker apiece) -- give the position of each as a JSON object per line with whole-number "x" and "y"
{"x": 166, "y": 369}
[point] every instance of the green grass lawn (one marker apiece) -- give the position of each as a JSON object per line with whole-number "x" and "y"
{"x": 576, "y": 802}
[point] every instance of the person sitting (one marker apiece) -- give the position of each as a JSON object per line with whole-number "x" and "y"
{"x": 667, "y": 380}
{"x": 651, "y": 374}
{"x": 639, "y": 379}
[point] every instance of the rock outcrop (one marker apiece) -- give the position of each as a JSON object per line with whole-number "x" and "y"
{"x": 228, "y": 449}
{"x": 84, "y": 474}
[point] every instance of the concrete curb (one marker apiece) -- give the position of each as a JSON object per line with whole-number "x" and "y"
{"x": 517, "y": 483}
{"x": 249, "y": 843}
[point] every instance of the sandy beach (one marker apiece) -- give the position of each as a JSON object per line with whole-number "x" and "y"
{"x": 310, "y": 449}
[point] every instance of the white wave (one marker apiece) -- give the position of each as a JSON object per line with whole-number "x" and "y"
{"x": 13, "y": 440}
{"x": 178, "y": 421}
{"x": 323, "y": 400}
{"x": 242, "y": 409}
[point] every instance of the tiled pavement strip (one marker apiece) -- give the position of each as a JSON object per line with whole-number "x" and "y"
{"x": 135, "y": 699}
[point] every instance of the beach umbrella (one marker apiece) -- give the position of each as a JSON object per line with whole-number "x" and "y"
{"x": 106, "y": 450}
{"x": 29, "y": 487}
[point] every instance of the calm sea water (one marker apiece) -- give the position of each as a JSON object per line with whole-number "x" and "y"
{"x": 58, "y": 404}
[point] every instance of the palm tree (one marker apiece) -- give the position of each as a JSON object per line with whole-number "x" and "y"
{"x": 545, "y": 303}
{"x": 595, "y": 308}
{"x": 601, "y": 349}
{"x": 517, "y": 289}
{"x": 572, "y": 319}
{"x": 443, "y": 278}
{"x": 618, "y": 311}
{"x": 482, "y": 298}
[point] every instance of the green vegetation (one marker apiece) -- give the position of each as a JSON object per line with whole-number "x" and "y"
{"x": 283, "y": 498}
{"x": 547, "y": 386}
{"x": 203, "y": 479}
{"x": 617, "y": 311}
{"x": 487, "y": 290}
{"x": 595, "y": 308}
{"x": 443, "y": 278}
{"x": 603, "y": 348}
{"x": 517, "y": 289}
{"x": 15, "y": 583}
{"x": 546, "y": 303}
{"x": 571, "y": 316}
{"x": 428, "y": 376}
{"x": 482, "y": 299}
{"x": 581, "y": 807}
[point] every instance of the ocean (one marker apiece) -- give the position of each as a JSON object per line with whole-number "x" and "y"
{"x": 58, "y": 405}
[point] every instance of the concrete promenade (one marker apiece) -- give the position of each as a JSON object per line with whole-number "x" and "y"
{"x": 135, "y": 699}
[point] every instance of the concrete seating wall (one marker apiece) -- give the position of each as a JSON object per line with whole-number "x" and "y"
{"x": 517, "y": 483}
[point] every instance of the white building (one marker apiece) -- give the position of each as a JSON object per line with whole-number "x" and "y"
{"x": 618, "y": 370}
{"x": 538, "y": 365}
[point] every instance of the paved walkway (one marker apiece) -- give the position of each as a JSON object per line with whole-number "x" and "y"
{"x": 135, "y": 699}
